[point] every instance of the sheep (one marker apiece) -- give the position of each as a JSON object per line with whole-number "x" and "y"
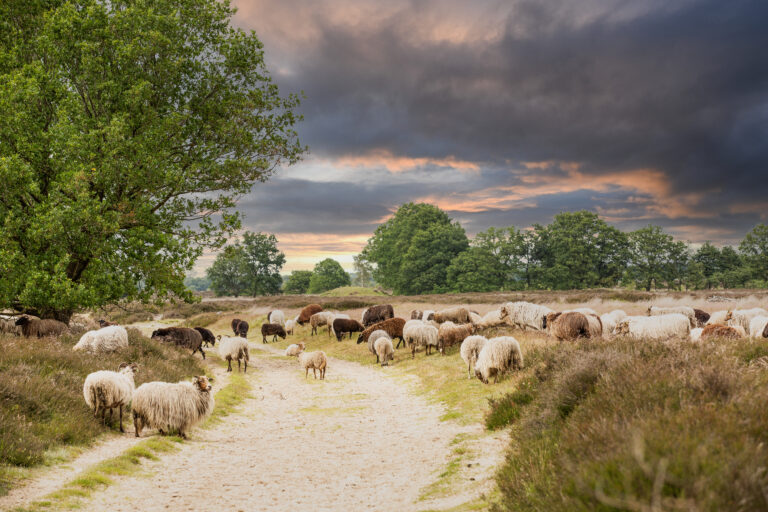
{"x": 276, "y": 317}
{"x": 273, "y": 330}
{"x": 181, "y": 337}
{"x": 104, "y": 323}
{"x": 340, "y": 316}
{"x": 392, "y": 326}
{"x": 696, "y": 334}
{"x": 8, "y": 326}
{"x": 342, "y": 326}
{"x": 375, "y": 335}
{"x": 610, "y": 320}
{"x": 416, "y": 314}
{"x": 568, "y": 326}
{"x": 294, "y": 350}
{"x": 702, "y": 317}
{"x": 683, "y": 310}
{"x": 470, "y": 349}
{"x": 167, "y": 406}
{"x": 234, "y": 348}
{"x": 491, "y": 319}
{"x": 583, "y": 311}
{"x": 758, "y": 327}
{"x": 107, "y": 339}
{"x": 208, "y": 337}
{"x": 457, "y": 315}
{"x": 595, "y": 325}
{"x": 320, "y": 319}
{"x": 428, "y": 315}
{"x": 105, "y": 389}
{"x": 420, "y": 335}
{"x": 375, "y": 314}
{"x": 307, "y": 313}
{"x": 35, "y": 327}
{"x": 718, "y": 317}
{"x": 742, "y": 317}
{"x": 721, "y": 331}
{"x": 240, "y": 327}
{"x": 450, "y": 334}
{"x": 315, "y": 360}
{"x": 290, "y": 325}
{"x": 385, "y": 352}
{"x": 498, "y": 356}
{"x": 655, "y": 327}
{"x": 525, "y": 315}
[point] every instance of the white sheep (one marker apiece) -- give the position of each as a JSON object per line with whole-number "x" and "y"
{"x": 428, "y": 315}
{"x": 315, "y": 360}
{"x": 757, "y": 327}
{"x": 742, "y": 317}
{"x": 595, "y": 325}
{"x": 385, "y": 351}
{"x": 106, "y": 339}
{"x": 320, "y": 319}
{"x": 718, "y": 317}
{"x": 655, "y": 327}
{"x": 696, "y": 334}
{"x": 105, "y": 389}
{"x": 475, "y": 318}
{"x": 276, "y": 317}
{"x": 610, "y": 320}
{"x": 497, "y": 357}
{"x": 417, "y": 335}
{"x": 231, "y": 348}
{"x": 525, "y": 315}
{"x": 379, "y": 333}
{"x": 491, "y": 319}
{"x": 682, "y": 310}
{"x": 294, "y": 350}
{"x": 8, "y": 326}
{"x": 167, "y": 406}
{"x": 470, "y": 349}
{"x": 290, "y": 325}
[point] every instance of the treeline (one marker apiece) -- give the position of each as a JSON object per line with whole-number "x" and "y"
{"x": 422, "y": 250}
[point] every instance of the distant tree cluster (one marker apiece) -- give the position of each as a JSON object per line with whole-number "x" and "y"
{"x": 421, "y": 250}
{"x": 327, "y": 275}
{"x": 251, "y": 268}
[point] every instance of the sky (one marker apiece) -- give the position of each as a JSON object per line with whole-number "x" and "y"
{"x": 509, "y": 112}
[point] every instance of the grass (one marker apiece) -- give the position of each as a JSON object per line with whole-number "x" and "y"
{"x": 41, "y": 383}
{"x": 351, "y": 291}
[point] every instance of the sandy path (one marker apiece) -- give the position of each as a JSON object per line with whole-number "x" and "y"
{"x": 359, "y": 440}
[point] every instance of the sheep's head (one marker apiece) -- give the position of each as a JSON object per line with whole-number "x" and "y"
{"x": 202, "y": 383}
{"x": 360, "y": 339}
{"x": 650, "y": 308}
{"x": 301, "y": 346}
{"x": 504, "y": 312}
{"x": 622, "y": 328}
{"x": 728, "y": 316}
{"x": 480, "y": 377}
{"x": 22, "y": 320}
{"x": 132, "y": 366}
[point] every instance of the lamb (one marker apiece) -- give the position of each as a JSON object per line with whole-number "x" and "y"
{"x": 568, "y": 326}
{"x": 696, "y": 334}
{"x": 342, "y": 326}
{"x": 167, "y": 406}
{"x": 290, "y": 325}
{"x": 742, "y": 317}
{"x": 525, "y": 315}
{"x": 320, "y": 319}
{"x": 375, "y": 314}
{"x": 207, "y": 335}
{"x": 273, "y": 330}
{"x": 307, "y": 313}
{"x": 758, "y": 327}
{"x": 107, "y": 339}
{"x": 315, "y": 360}
{"x": 470, "y": 349}
{"x": 276, "y": 317}
{"x": 498, "y": 356}
{"x": 451, "y": 334}
{"x": 457, "y": 315}
{"x": 702, "y": 317}
{"x": 683, "y": 310}
{"x": 385, "y": 352}
{"x": 375, "y": 335}
{"x": 105, "y": 389}
{"x": 491, "y": 319}
{"x": 294, "y": 350}
{"x": 721, "y": 331}
{"x": 181, "y": 337}
{"x": 37, "y": 328}
{"x": 420, "y": 335}
{"x": 240, "y": 327}
{"x": 234, "y": 348}
{"x": 610, "y": 320}
{"x": 392, "y": 326}
{"x": 655, "y": 327}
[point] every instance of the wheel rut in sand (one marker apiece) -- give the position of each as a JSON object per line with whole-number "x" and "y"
{"x": 357, "y": 441}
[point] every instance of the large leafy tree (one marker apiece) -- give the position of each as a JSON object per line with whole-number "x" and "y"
{"x": 656, "y": 259}
{"x": 475, "y": 270}
{"x": 509, "y": 247}
{"x": 754, "y": 250}
{"x": 298, "y": 282}
{"x": 128, "y": 129}
{"x": 327, "y": 275}
{"x": 412, "y": 250}
{"x": 251, "y": 268}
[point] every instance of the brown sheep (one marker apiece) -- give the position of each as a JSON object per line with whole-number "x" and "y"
{"x": 392, "y": 326}
{"x": 457, "y": 315}
{"x": 240, "y": 327}
{"x": 701, "y": 317}
{"x": 568, "y": 326}
{"x": 345, "y": 325}
{"x": 721, "y": 331}
{"x": 450, "y": 334}
{"x": 378, "y": 313}
{"x": 765, "y": 331}
{"x": 37, "y": 328}
{"x": 273, "y": 330}
{"x": 181, "y": 337}
{"x": 307, "y": 313}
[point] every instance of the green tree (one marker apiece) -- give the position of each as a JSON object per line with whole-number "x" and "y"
{"x": 475, "y": 270}
{"x": 198, "y": 284}
{"x": 228, "y": 273}
{"x": 363, "y": 271}
{"x": 328, "y": 275}
{"x": 508, "y": 247}
{"x": 251, "y": 268}
{"x": 407, "y": 252}
{"x": 708, "y": 256}
{"x": 127, "y": 132}
{"x": 651, "y": 253}
{"x": 754, "y": 250}
{"x": 298, "y": 282}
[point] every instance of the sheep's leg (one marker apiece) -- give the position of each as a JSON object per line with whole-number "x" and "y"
{"x": 229, "y": 364}
{"x": 183, "y": 435}
{"x": 263, "y": 339}
{"x": 137, "y": 424}
{"x": 110, "y": 415}
{"x": 201, "y": 352}
{"x": 469, "y": 374}
{"x": 238, "y": 366}
{"x": 246, "y": 366}
{"x": 121, "y": 420}
{"x": 314, "y": 373}
{"x": 103, "y": 412}
{"x": 306, "y": 374}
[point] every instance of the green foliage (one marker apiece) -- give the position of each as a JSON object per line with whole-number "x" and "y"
{"x": 475, "y": 270}
{"x": 654, "y": 257}
{"x": 298, "y": 282}
{"x": 251, "y": 268}
{"x": 754, "y": 249}
{"x": 124, "y": 127}
{"x": 198, "y": 284}
{"x": 363, "y": 272}
{"x": 328, "y": 275}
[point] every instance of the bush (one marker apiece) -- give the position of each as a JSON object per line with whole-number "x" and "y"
{"x": 507, "y": 409}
